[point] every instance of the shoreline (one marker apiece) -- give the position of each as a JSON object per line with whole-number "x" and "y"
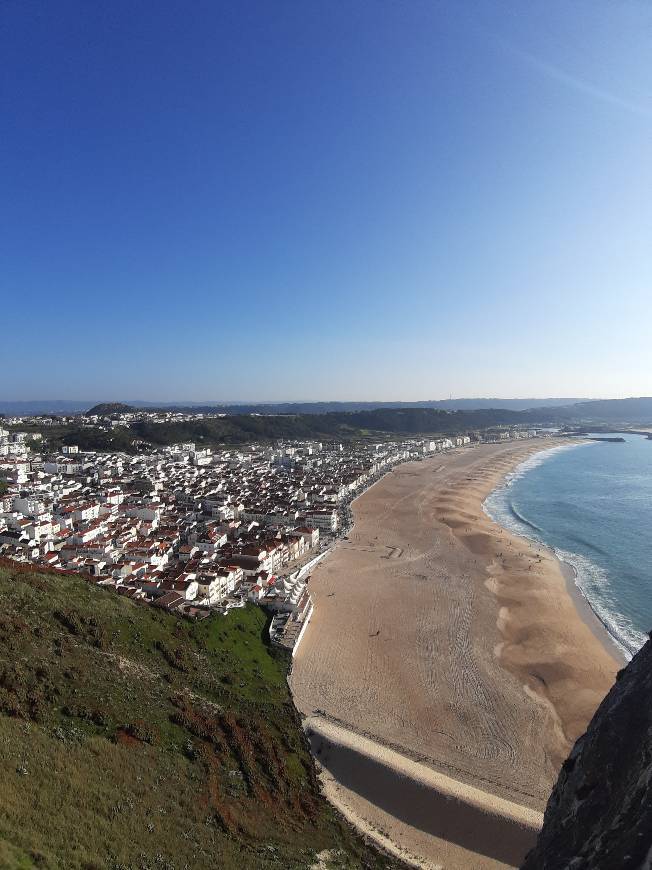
{"x": 589, "y": 615}
{"x": 585, "y": 609}
{"x": 442, "y": 636}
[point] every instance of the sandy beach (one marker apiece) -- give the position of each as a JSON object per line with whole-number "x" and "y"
{"x": 447, "y": 670}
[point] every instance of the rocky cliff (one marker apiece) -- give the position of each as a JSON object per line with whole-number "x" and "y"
{"x": 600, "y": 812}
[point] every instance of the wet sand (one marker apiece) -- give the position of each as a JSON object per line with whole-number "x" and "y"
{"x": 455, "y": 645}
{"x": 590, "y": 617}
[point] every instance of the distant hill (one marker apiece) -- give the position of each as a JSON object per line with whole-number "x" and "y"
{"x": 631, "y": 411}
{"x": 131, "y": 738}
{"x": 105, "y": 409}
{"x": 237, "y": 429}
{"x": 510, "y": 404}
{"x": 481, "y": 411}
{"x": 342, "y": 407}
{"x": 65, "y": 406}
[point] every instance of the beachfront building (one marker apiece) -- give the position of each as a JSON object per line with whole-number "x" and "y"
{"x": 325, "y": 520}
{"x": 290, "y": 601}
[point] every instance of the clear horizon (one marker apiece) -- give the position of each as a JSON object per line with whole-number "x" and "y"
{"x": 301, "y": 401}
{"x": 326, "y": 200}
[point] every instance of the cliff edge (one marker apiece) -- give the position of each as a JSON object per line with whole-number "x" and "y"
{"x": 599, "y": 814}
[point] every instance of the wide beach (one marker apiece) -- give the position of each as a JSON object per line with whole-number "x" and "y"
{"x": 446, "y": 671}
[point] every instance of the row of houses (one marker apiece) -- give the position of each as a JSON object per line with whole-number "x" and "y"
{"x": 187, "y": 528}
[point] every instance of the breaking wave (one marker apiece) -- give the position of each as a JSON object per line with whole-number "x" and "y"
{"x": 521, "y": 519}
{"x": 593, "y": 582}
{"x": 591, "y": 579}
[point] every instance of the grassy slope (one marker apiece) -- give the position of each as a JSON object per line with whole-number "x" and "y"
{"x": 129, "y": 738}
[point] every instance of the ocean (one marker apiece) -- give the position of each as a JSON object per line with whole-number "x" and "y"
{"x": 592, "y": 504}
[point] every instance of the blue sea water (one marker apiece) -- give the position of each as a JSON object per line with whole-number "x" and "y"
{"x": 592, "y": 504}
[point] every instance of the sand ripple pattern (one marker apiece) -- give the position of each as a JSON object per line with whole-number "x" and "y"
{"x": 438, "y": 634}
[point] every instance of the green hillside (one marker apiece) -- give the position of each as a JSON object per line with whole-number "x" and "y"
{"x": 238, "y": 429}
{"x": 131, "y": 739}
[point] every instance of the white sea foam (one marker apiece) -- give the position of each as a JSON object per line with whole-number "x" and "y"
{"x": 593, "y": 582}
{"x": 591, "y": 579}
{"x": 534, "y": 462}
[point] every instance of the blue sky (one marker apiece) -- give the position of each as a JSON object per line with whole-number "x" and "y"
{"x": 328, "y": 200}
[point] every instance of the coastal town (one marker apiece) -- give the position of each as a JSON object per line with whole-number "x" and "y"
{"x": 191, "y": 529}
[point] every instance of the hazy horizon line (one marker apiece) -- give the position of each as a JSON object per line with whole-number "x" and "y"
{"x": 460, "y": 398}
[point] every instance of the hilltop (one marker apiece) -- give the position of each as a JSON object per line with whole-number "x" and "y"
{"x": 132, "y": 739}
{"x": 105, "y": 409}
